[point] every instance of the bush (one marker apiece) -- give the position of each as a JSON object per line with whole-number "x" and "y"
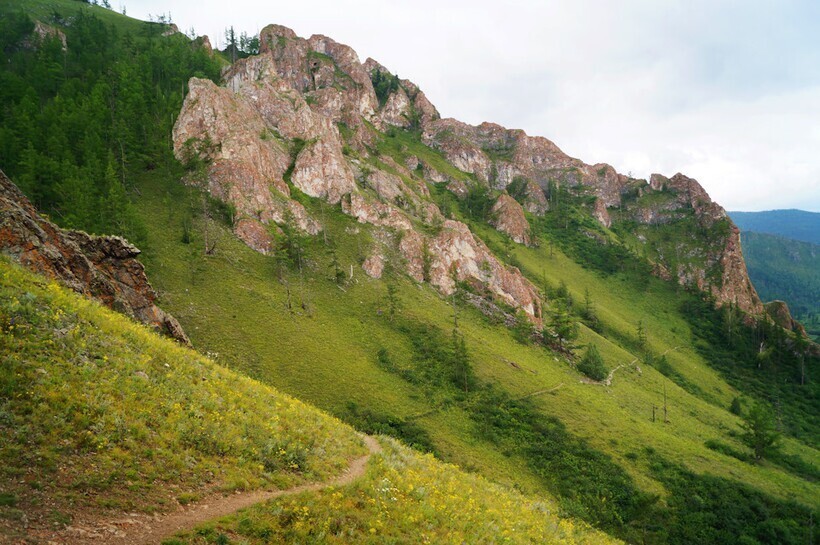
{"x": 592, "y": 364}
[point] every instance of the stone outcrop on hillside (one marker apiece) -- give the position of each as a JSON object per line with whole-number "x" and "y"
{"x": 669, "y": 200}
{"x": 508, "y": 217}
{"x": 779, "y": 312}
{"x": 304, "y": 113}
{"x": 277, "y": 122}
{"x": 499, "y": 157}
{"x": 104, "y": 268}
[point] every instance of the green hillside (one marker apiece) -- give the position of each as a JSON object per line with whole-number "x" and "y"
{"x": 404, "y": 498}
{"x": 793, "y": 224}
{"x": 99, "y": 415}
{"x": 786, "y": 270}
{"x": 231, "y": 303}
{"x": 655, "y": 456}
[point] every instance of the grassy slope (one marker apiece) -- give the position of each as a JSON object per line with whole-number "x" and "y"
{"x": 405, "y": 497}
{"x": 43, "y": 10}
{"x": 231, "y": 303}
{"x": 232, "y": 306}
{"x": 97, "y": 412}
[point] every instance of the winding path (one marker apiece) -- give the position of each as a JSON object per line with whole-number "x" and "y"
{"x": 137, "y": 530}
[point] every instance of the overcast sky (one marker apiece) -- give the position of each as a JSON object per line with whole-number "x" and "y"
{"x": 727, "y": 92}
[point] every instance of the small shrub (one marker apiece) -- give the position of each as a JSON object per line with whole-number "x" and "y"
{"x": 592, "y": 364}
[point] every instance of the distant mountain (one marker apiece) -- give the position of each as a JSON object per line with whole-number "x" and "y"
{"x": 788, "y": 270}
{"x": 794, "y": 224}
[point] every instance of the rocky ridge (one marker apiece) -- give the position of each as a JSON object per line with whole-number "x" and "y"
{"x": 292, "y": 100}
{"x": 104, "y": 268}
{"x": 311, "y": 119}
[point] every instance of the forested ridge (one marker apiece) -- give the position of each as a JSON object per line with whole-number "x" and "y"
{"x": 77, "y": 121}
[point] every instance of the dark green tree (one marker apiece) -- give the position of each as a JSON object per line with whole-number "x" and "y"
{"x": 759, "y": 432}
{"x": 393, "y": 301}
{"x": 592, "y": 364}
{"x": 736, "y": 407}
{"x": 564, "y": 327}
{"x": 641, "y": 335}
{"x": 588, "y": 313}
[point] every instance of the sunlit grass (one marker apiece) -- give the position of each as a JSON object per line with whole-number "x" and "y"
{"x": 405, "y": 497}
{"x": 99, "y": 412}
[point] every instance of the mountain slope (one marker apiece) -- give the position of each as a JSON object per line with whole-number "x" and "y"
{"x": 356, "y": 207}
{"x": 101, "y": 416}
{"x": 788, "y": 270}
{"x": 793, "y": 224}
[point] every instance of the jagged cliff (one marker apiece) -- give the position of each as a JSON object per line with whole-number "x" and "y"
{"x": 276, "y": 127}
{"x": 307, "y": 115}
{"x": 105, "y": 268}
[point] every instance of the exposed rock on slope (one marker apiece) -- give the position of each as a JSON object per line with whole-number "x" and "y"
{"x": 508, "y": 217}
{"x": 305, "y": 113}
{"x": 779, "y": 312}
{"x": 102, "y": 267}
{"x": 277, "y": 123}
{"x": 501, "y": 158}
{"x": 713, "y": 262}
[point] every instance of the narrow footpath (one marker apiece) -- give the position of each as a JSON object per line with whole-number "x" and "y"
{"x": 148, "y": 529}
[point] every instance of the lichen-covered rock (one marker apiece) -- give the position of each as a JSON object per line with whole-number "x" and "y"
{"x": 104, "y": 268}
{"x": 599, "y": 212}
{"x": 47, "y": 32}
{"x": 508, "y": 217}
{"x": 680, "y": 198}
{"x": 321, "y": 171}
{"x": 375, "y": 213}
{"x": 204, "y": 43}
{"x": 406, "y": 106}
{"x": 246, "y": 162}
{"x": 499, "y": 156}
{"x": 534, "y": 199}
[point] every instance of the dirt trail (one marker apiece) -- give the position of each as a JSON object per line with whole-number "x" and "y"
{"x": 146, "y": 529}
{"x": 608, "y": 380}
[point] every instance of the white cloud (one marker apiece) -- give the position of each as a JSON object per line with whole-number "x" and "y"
{"x": 724, "y": 91}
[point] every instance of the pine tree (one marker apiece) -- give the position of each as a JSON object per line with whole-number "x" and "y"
{"x": 760, "y": 434}
{"x": 592, "y": 364}
{"x": 562, "y": 324}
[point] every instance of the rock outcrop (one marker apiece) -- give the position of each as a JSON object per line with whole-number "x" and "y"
{"x": 104, "y": 268}
{"x": 508, "y": 217}
{"x": 504, "y": 158}
{"x": 276, "y": 124}
{"x": 304, "y": 113}
{"x": 712, "y": 260}
{"x": 779, "y": 312}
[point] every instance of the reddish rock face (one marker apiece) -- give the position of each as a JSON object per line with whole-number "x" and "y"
{"x": 104, "y": 268}
{"x": 508, "y": 217}
{"x": 298, "y": 90}
{"x": 684, "y": 195}
{"x": 779, "y": 312}
{"x": 303, "y": 90}
{"x": 455, "y": 248}
{"x": 535, "y": 201}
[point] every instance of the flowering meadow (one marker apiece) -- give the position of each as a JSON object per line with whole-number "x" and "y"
{"x": 97, "y": 412}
